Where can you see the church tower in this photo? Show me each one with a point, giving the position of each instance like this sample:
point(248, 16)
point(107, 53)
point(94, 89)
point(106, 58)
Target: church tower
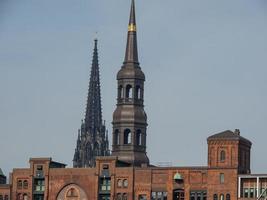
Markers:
point(92, 136)
point(129, 118)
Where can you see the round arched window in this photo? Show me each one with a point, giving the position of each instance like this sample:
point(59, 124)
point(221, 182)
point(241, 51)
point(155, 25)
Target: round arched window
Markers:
point(25, 184)
point(119, 183)
point(127, 136)
point(129, 91)
point(125, 183)
point(25, 197)
point(222, 156)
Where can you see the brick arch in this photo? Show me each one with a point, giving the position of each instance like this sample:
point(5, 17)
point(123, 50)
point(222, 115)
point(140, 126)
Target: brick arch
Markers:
point(79, 193)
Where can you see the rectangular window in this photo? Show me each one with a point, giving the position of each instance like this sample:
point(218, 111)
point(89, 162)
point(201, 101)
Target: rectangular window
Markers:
point(38, 197)
point(204, 197)
point(198, 195)
point(221, 178)
point(192, 195)
point(252, 192)
point(246, 193)
point(39, 167)
point(105, 184)
point(39, 171)
point(105, 166)
point(159, 195)
point(39, 185)
point(263, 192)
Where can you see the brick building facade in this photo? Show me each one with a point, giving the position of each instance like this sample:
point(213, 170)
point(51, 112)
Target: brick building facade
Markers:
point(224, 178)
point(127, 174)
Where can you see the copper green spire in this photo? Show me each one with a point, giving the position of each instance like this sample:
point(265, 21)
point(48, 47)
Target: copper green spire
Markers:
point(131, 55)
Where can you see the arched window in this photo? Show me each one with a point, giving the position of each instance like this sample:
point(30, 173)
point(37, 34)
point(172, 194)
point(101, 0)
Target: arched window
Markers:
point(129, 91)
point(19, 196)
point(127, 136)
point(25, 184)
point(124, 197)
point(25, 197)
point(19, 184)
point(125, 183)
point(120, 94)
point(139, 137)
point(138, 92)
point(116, 137)
point(221, 197)
point(72, 193)
point(215, 197)
point(119, 196)
point(6, 197)
point(228, 197)
point(222, 156)
point(119, 183)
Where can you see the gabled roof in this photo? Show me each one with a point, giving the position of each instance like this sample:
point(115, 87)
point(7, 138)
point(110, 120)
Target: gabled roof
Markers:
point(229, 135)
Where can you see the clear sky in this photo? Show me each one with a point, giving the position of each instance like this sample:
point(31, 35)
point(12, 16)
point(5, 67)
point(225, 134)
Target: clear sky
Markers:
point(205, 64)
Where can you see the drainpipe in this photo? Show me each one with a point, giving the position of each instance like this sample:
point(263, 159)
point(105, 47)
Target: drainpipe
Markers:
point(239, 187)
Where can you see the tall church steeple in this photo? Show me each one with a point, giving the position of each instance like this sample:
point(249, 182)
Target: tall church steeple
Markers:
point(92, 139)
point(93, 115)
point(129, 118)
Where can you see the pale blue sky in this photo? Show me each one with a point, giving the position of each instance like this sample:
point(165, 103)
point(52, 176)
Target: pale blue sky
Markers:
point(205, 63)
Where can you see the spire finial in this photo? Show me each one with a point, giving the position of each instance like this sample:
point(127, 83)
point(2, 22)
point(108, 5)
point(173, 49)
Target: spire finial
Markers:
point(131, 55)
point(132, 21)
point(95, 40)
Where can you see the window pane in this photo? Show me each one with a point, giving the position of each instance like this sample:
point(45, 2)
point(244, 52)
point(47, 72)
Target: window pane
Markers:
point(246, 192)
point(221, 178)
point(252, 192)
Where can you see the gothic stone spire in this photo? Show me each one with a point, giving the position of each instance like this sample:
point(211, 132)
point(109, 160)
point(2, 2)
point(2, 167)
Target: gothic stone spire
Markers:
point(93, 115)
point(92, 140)
point(129, 118)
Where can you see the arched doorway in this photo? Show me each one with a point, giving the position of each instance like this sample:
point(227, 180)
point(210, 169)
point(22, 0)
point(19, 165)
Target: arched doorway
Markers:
point(72, 192)
point(178, 194)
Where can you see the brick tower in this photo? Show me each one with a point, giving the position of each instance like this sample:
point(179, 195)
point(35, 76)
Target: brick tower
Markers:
point(129, 118)
point(229, 150)
point(92, 136)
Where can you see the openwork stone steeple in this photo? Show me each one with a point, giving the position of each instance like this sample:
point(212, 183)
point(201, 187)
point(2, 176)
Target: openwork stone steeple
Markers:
point(129, 118)
point(92, 136)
